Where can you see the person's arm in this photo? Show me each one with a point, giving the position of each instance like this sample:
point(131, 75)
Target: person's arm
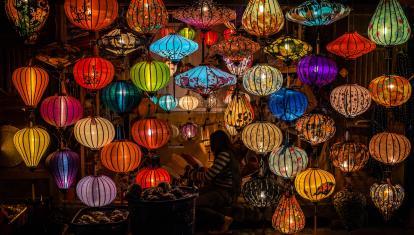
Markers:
point(220, 164)
point(191, 160)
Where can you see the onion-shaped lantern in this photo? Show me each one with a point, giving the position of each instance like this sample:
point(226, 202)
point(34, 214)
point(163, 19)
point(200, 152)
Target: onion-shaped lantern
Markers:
point(188, 102)
point(96, 191)
point(231, 130)
point(263, 18)
point(210, 38)
point(387, 198)
point(63, 165)
point(94, 132)
point(317, 70)
point(350, 207)
point(174, 47)
point(288, 49)
point(262, 80)
point(315, 128)
point(93, 73)
point(121, 156)
point(228, 33)
point(189, 131)
point(151, 133)
point(261, 192)
point(188, 33)
point(236, 48)
point(120, 42)
point(146, 108)
point(315, 184)
point(262, 137)
point(350, 100)
point(288, 217)
point(146, 16)
point(121, 96)
point(239, 112)
point(92, 15)
point(31, 83)
point(389, 148)
point(390, 90)
point(61, 111)
point(288, 161)
point(168, 102)
point(239, 68)
point(150, 76)
point(389, 25)
point(349, 156)
point(350, 46)
point(151, 177)
point(287, 104)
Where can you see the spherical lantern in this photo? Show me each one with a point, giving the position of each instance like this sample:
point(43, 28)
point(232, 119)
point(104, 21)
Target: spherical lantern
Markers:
point(63, 165)
point(188, 102)
point(210, 38)
point(152, 176)
point(146, 108)
point(189, 131)
point(146, 16)
point(350, 100)
point(288, 217)
point(261, 192)
point(315, 128)
point(61, 111)
point(31, 143)
point(174, 47)
point(262, 137)
point(188, 33)
point(287, 104)
point(121, 96)
point(350, 207)
point(151, 133)
point(121, 156)
point(91, 15)
point(166, 31)
point(350, 46)
point(231, 130)
point(389, 148)
point(288, 49)
point(94, 132)
point(315, 184)
point(317, 70)
point(263, 18)
point(389, 25)
point(150, 76)
point(239, 112)
point(262, 80)
point(31, 83)
point(120, 41)
point(390, 90)
point(236, 48)
point(168, 102)
point(238, 68)
point(349, 156)
point(93, 73)
point(228, 33)
point(288, 161)
point(387, 198)
point(96, 191)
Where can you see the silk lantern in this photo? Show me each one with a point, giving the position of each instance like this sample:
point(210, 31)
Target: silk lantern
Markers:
point(93, 73)
point(189, 130)
point(349, 156)
point(261, 192)
point(262, 137)
point(387, 198)
point(350, 100)
point(166, 31)
point(188, 102)
point(211, 102)
point(146, 108)
point(31, 83)
point(188, 33)
point(316, 70)
point(390, 90)
point(121, 156)
point(287, 104)
point(121, 96)
point(236, 48)
point(152, 176)
point(61, 111)
point(351, 46)
point(238, 68)
point(94, 132)
point(120, 41)
point(146, 16)
point(239, 112)
point(315, 184)
point(288, 49)
point(96, 191)
point(262, 80)
point(389, 148)
point(288, 217)
point(151, 133)
point(168, 102)
point(315, 128)
point(174, 47)
point(288, 161)
point(210, 38)
point(63, 165)
point(150, 75)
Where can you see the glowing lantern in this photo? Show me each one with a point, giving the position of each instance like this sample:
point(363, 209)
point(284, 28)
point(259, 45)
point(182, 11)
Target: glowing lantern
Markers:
point(93, 73)
point(166, 31)
point(287, 104)
point(188, 33)
point(211, 102)
point(288, 49)
point(349, 156)
point(231, 130)
point(152, 176)
point(63, 165)
point(239, 112)
point(146, 108)
point(262, 80)
point(288, 161)
point(315, 128)
point(168, 102)
point(31, 83)
point(236, 48)
point(121, 96)
point(189, 131)
point(188, 102)
point(121, 156)
point(317, 70)
point(210, 38)
point(91, 15)
point(390, 90)
point(389, 148)
point(120, 42)
point(261, 192)
point(96, 191)
point(315, 184)
point(61, 111)
point(387, 198)
point(350, 100)
point(228, 33)
point(150, 76)
point(350, 207)
point(262, 137)
point(239, 68)
point(151, 133)
point(175, 132)
point(351, 46)
point(174, 47)
point(94, 132)
point(288, 217)
point(146, 16)
point(263, 18)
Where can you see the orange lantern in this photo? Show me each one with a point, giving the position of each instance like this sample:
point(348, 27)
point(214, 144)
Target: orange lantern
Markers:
point(31, 83)
point(146, 16)
point(351, 46)
point(210, 38)
point(288, 217)
point(166, 31)
point(146, 108)
point(390, 90)
point(152, 176)
point(236, 48)
point(121, 156)
point(151, 133)
point(93, 72)
point(389, 148)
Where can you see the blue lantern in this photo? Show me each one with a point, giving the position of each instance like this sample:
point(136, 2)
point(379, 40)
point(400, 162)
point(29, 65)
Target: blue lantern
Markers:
point(168, 102)
point(287, 104)
point(121, 96)
point(174, 47)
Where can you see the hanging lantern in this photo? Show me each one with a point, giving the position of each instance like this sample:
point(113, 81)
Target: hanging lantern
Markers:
point(188, 33)
point(350, 46)
point(389, 25)
point(231, 130)
point(387, 198)
point(350, 100)
point(315, 128)
point(63, 165)
point(92, 15)
point(288, 161)
point(262, 137)
point(151, 177)
point(317, 70)
point(94, 132)
point(288, 49)
point(211, 102)
point(10, 157)
point(350, 207)
point(230, 92)
point(262, 80)
point(390, 90)
point(315, 184)
point(236, 48)
point(93, 73)
point(175, 132)
point(349, 156)
point(150, 76)
point(189, 131)
point(166, 31)
point(228, 33)
point(389, 148)
point(146, 16)
point(121, 156)
point(121, 96)
point(288, 217)
point(261, 192)
point(31, 143)
point(263, 18)
point(239, 68)
point(28, 17)
point(288, 104)
point(146, 108)
point(120, 42)
point(31, 83)
point(174, 47)
point(168, 102)
point(188, 102)
point(96, 191)
point(210, 38)
point(239, 112)
point(151, 133)
point(61, 111)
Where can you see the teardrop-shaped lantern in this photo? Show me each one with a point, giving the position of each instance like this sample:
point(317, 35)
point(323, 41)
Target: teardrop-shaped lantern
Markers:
point(96, 191)
point(61, 111)
point(288, 49)
point(150, 75)
point(146, 16)
point(93, 73)
point(389, 148)
point(151, 133)
point(315, 184)
point(288, 161)
point(287, 104)
point(317, 70)
point(121, 156)
point(387, 198)
point(262, 137)
point(152, 176)
point(239, 112)
point(168, 102)
point(236, 48)
point(31, 83)
point(188, 102)
point(390, 90)
point(262, 80)
point(121, 96)
point(350, 100)
point(288, 217)
point(350, 46)
point(315, 128)
point(63, 165)
point(94, 132)
point(174, 47)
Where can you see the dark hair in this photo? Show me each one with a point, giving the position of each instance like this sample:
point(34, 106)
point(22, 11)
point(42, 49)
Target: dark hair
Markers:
point(219, 142)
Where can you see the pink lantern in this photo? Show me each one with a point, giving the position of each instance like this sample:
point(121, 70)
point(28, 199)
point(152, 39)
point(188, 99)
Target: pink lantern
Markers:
point(61, 111)
point(96, 191)
point(189, 130)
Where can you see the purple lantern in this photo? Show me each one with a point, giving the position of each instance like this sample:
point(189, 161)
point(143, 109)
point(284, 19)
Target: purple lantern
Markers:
point(96, 191)
point(61, 111)
point(189, 130)
point(63, 165)
point(317, 70)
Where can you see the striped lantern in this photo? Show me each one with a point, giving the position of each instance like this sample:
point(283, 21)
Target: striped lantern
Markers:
point(236, 48)
point(387, 198)
point(262, 80)
point(31, 83)
point(350, 100)
point(239, 112)
point(93, 73)
point(188, 33)
point(96, 191)
point(175, 132)
point(315, 184)
point(94, 132)
point(168, 102)
point(146, 108)
point(315, 128)
point(389, 148)
point(146, 16)
point(61, 111)
point(150, 76)
point(151, 133)
point(349, 156)
point(188, 102)
point(121, 96)
point(350, 46)
point(189, 130)
point(288, 161)
point(261, 192)
point(262, 137)
point(121, 156)
point(288, 217)
point(63, 165)
point(390, 90)
point(287, 104)
point(151, 177)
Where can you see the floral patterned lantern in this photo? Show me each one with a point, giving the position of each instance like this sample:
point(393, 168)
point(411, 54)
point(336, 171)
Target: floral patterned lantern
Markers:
point(96, 191)
point(152, 176)
point(350, 46)
point(238, 68)
point(64, 165)
point(151, 133)
point(350, 100)
point(315, 128)
point(121, 156)
point(61, 111)
point(150, 75)
point(288, 217)
point(211, 102)
point(146, 16)
point(174, 47)
point(93, 73)
point(317, 70)
point(31, 83)
point(349, 156)
point(288, 161)
point(262, 80)
point(239, 112)
point(121, 96)
point(188, 102)
point(287, 104)
point(288, 49)
point(94, 132)
point(236, 48)
point(262, 137)
point(315, 184)
point(120, 42)
point(188, 33)
point(390, 90)
point(189, 130)
point(389, 148)
point(387, 198)
point(168, 102)
point(261, 192)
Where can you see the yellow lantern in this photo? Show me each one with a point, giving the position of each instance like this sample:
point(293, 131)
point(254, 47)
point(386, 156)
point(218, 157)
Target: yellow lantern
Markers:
point(262, 137)
point(315, 184)
point(94, 132)
point(389, 148)
point(390, 90)
point(188, 102)
point(231, 130)
point(239, 112)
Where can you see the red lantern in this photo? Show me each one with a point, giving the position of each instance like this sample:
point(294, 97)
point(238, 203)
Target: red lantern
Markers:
point(228, 33)
point(151, 133)
point(146, 16)
point(166, 31)
point(151, 177)
point(31, 83)
point(146, 108)
point(351, 46)
point(93, 72)
point(61, 111)
point(210, 38)
point(121, 156)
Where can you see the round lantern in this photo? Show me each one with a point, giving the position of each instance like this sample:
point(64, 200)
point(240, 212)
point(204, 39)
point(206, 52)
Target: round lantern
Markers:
point(61, 111)
point(263, 18)
point(288, 217)
point(120, 41)
point(315, 128)
point(168, 102)
point(238, 68)
point(189, 131)
point(31, 83)
point(93, 73)
point(151, 133)
point(288, 49)
point(63, 165)
point(210, 38)
point(315, 184)
point(121, 156)
point(239, 112)
point(152, 176)
point(96, 191)
point(351, 46)
point(288, 105)
point(390, 90)
point(350, 207)
point(389, 25)
point(146, 108)
point(236, 48)
point(349, 156)
point(166, 31)
point(146, 16)
point(262, 80)
point(261, 192)
point(228, 33)
point(188, 33)
point(175, 132)
point(231, 130)
point(94, 132)
point(288, 161)
point(150, 76)
point(317, 70)
point(389, 148)
point(121, 96)
point(262, 137)
point(188, 102)
point(31, 143)
point(91, 15)
point(350, 100)
point(387, 198)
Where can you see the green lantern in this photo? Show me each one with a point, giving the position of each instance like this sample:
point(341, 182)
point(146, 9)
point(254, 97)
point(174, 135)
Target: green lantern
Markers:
point(188, 33)
point(150, 75)
point(389, 25)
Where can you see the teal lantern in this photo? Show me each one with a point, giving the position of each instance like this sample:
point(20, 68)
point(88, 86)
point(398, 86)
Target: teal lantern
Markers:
point(121, 96)
point(174, 47)
point(150, 75)
point(167, 102)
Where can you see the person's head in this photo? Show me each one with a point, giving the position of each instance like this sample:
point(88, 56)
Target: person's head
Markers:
point(219, 141)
